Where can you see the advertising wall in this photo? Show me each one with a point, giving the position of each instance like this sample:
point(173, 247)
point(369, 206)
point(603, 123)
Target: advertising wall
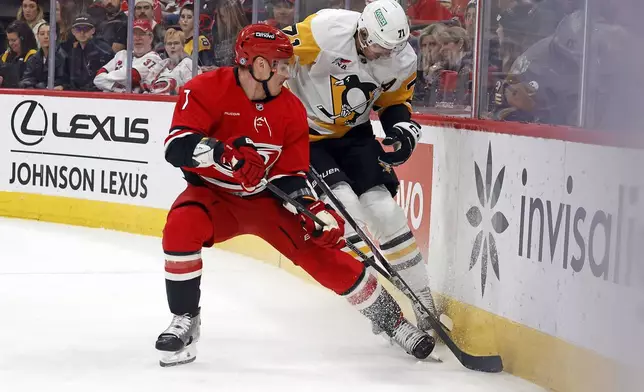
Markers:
point(542, 232)
point(95, 149)
point(532, 242)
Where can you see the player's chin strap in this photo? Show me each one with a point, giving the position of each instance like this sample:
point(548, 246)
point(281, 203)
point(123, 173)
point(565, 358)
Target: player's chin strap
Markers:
point(263, 82)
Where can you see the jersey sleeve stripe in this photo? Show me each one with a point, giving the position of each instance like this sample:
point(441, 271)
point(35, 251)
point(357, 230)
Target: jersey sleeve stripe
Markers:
point(297, 174)
point(176, 136)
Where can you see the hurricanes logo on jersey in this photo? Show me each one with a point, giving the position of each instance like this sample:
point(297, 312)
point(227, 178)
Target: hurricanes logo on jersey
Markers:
point(261, 125)
point(350, 98)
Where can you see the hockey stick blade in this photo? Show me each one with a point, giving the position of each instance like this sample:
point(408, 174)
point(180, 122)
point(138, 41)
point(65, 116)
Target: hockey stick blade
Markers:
point(486, 363)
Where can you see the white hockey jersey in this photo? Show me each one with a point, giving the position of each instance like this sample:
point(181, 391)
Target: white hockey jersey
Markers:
point(338, 87)
point(168, 81)
point(113, 76)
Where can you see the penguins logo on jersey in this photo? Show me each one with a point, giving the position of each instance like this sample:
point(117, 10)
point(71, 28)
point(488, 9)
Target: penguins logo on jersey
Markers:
point(350, 98)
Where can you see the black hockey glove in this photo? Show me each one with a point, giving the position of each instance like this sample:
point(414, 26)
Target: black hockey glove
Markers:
point(403, 136)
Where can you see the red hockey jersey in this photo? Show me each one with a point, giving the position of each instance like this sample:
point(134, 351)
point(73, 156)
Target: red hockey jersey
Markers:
point(215, 105)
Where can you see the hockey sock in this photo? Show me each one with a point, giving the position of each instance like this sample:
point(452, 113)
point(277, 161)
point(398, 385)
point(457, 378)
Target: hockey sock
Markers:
point(185, 231)
point(374, 302)
point(345, 194)
point(360, 244)
point(397, 243)
point(405, 258)
point(183, 281)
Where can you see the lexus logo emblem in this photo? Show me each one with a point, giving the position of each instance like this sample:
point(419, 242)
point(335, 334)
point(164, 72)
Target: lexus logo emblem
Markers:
point(29, 123)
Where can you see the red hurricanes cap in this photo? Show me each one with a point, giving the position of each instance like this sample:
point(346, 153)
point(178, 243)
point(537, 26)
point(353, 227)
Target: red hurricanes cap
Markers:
point(143, 24)
point(257, 40)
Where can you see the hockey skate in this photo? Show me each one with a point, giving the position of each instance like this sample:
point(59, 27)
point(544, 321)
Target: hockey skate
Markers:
point(178, 343)
point(422, 319)
point(416, 342)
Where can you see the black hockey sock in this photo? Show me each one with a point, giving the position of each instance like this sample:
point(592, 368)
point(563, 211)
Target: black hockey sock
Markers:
point(183, 296)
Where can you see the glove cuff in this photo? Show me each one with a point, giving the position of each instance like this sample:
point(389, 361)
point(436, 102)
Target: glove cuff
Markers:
point(242, 141)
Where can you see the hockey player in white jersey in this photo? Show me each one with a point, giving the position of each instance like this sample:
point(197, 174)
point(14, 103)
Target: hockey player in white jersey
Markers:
point(146, 63)
point(346, 64)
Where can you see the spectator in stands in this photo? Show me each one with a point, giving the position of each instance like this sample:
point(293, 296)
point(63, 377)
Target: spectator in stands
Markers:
point(22, 45)
point(430, 51)
point(470, 19)
point(37, 70)
point(428, 11)
point(230, 19)
point(455, 48)
point(544, 82)
point(206, 58)
point(87, 56)
point(170, 11)
point(64, 36)
point(144, 10)
point(526, 22)
point(429, 63)
point(283, 13)
point(112, 24)
point(31, 13)
point(176, 68)
point(456, 75)
point(146, 63)
point(247, 6)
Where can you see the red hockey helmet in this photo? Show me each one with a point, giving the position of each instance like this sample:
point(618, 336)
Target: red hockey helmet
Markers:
point(257, 40)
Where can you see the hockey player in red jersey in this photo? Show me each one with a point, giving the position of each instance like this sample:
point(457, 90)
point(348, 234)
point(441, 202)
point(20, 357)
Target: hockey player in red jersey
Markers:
point(233, 128)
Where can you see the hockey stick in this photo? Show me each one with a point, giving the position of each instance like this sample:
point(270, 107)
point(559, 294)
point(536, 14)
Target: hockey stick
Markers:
point(300, 208)
point(485, 363)
point(333, 117)
point(369, 261)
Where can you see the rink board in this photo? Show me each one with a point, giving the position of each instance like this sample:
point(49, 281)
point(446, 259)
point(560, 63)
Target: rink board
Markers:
point(540, 292)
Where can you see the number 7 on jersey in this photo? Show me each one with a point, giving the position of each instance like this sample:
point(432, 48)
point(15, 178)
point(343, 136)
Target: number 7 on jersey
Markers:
point(187, 92)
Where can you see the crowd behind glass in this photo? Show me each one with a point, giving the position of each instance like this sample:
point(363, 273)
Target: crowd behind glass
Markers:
point(560, 62)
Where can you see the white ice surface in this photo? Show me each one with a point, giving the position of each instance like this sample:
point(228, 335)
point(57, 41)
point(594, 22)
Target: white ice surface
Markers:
point(80, 310)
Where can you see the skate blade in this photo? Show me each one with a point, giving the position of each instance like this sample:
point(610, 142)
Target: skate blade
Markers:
point(181, 357)
point(434, 357)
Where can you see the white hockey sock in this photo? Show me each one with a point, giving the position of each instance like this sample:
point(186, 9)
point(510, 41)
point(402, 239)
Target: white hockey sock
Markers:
point(345, 194)
point(405, 258)
point(397, 243)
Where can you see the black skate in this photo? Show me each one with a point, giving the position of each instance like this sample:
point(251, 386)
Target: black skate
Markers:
point(178, 343)
point(416, 342)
